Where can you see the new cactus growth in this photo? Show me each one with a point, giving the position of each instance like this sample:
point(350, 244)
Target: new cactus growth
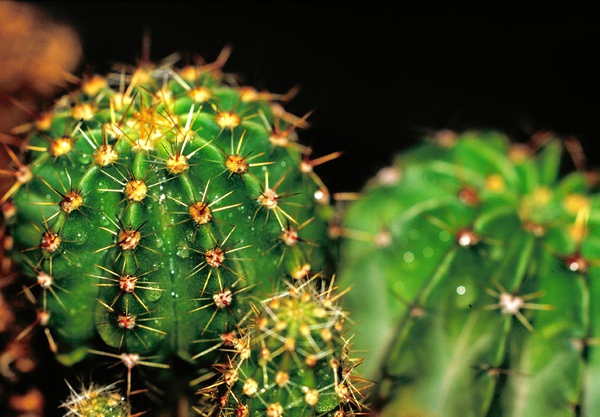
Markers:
point(289, 359)
point(474, 265)
point(105, 401)
point(153, 210)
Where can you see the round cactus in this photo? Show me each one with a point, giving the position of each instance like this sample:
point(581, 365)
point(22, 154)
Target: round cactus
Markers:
point(289, 361)
point(152, 206)
point(473, 265)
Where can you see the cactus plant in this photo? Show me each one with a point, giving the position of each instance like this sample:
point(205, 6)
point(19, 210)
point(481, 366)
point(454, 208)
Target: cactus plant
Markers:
point(473, 261)
point(155, 210)
point(294, 336)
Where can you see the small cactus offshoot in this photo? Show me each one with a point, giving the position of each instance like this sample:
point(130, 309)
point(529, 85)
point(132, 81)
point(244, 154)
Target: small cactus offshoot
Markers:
point(288, 360)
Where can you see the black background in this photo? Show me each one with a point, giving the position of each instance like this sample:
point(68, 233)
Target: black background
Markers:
point(378, 74)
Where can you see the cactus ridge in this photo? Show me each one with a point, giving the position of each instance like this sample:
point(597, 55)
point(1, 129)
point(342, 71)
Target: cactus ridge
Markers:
point(153, 207)
point(478, 256)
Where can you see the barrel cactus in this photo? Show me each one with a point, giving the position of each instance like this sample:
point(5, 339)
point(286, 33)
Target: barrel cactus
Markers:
point(473, 261)
point(153, 213)
point(290, 359)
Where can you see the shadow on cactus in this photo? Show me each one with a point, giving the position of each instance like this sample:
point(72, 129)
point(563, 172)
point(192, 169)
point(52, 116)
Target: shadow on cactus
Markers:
point(477, 257)
point(159, 212)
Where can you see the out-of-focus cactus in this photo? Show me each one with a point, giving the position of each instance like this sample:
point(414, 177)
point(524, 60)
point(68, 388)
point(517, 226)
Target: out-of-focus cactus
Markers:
point(37, 55)
point(473, 261)
point(153, 212)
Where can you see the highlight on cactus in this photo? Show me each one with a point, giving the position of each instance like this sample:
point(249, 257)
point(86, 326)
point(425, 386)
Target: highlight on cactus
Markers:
point(478, 258)
point(157, 215)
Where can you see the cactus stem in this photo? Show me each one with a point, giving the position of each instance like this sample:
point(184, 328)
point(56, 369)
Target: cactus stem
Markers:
point(107, 151)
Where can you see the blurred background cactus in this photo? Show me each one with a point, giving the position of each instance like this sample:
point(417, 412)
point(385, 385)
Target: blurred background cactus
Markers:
point(478, 257)
point(37, 55)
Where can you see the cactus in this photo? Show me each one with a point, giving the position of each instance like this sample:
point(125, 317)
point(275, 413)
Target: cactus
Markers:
point(155, 209)
point(289, 360)
point(473, 265)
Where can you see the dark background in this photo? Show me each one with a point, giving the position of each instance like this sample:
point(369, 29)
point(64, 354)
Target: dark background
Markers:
point(378, 74)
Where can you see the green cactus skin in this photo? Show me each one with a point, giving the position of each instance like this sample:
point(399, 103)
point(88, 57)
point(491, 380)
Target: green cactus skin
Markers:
point(152, 206)
point(473, 266)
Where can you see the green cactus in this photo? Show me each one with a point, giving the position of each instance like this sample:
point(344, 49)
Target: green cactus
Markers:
point(289, 362)
point(473, 265)
point(152, 209)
